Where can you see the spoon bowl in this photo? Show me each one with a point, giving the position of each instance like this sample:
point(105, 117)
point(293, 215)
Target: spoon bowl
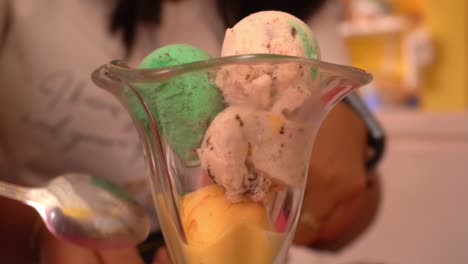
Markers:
point(85, 210)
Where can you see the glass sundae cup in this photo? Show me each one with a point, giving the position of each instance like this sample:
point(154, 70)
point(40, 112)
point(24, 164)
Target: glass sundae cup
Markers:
point(227, 143)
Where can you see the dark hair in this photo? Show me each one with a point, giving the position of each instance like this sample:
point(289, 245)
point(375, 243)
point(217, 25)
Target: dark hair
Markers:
point(128, 14)
point(233, 11)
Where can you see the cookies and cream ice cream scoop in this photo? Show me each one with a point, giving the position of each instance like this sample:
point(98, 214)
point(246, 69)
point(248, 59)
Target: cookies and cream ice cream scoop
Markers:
point(255, 143)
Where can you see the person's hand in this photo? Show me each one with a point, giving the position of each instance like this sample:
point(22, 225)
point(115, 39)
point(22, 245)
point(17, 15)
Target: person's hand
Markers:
point(55, 251)
point(337, 177)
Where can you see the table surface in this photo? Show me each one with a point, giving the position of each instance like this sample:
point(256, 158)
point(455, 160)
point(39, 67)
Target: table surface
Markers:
point(423, 215)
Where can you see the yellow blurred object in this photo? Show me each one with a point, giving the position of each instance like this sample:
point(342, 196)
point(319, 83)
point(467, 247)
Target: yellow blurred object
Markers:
point(380, 54)
point(77, 212)
point(405, 7)
point(446, 82)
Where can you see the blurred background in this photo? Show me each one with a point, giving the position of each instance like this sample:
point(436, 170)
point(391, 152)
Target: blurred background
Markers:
point(417, 51)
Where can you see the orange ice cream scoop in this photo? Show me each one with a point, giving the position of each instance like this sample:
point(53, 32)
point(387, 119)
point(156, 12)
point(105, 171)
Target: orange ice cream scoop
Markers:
point(207, 214)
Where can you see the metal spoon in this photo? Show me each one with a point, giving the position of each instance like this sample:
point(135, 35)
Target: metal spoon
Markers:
point(85, 210)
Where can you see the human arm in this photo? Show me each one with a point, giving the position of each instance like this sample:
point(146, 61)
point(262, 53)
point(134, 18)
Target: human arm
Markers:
point(337, 193)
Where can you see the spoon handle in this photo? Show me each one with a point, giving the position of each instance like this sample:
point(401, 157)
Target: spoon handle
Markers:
point(14, 192)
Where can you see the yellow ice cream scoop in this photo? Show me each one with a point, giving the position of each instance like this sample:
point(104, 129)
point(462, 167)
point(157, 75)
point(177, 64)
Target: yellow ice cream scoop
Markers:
point(219, 231)
point(207, 214)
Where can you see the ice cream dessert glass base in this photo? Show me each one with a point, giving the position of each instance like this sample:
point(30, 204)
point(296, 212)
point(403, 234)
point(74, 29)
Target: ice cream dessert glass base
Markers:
point(239, 203)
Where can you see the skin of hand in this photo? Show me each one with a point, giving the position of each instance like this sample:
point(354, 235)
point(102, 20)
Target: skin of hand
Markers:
point(54, 251)
point(22, 243)
point(336, 179)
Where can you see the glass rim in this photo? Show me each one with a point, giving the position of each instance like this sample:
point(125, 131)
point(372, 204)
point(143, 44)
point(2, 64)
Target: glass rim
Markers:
point(120, 69)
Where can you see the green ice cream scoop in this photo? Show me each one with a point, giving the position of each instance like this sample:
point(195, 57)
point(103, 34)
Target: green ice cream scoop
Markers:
point(183, 106)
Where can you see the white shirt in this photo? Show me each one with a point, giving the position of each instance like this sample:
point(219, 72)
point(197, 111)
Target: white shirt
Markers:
point(53, 119)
